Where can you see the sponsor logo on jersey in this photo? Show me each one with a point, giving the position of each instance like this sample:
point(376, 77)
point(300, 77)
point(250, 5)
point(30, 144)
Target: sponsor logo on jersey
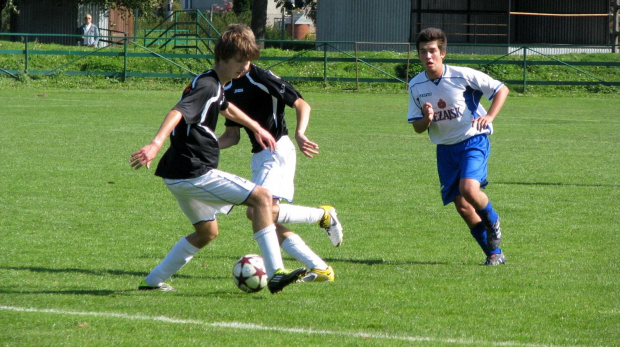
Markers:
point(449, 114)
point(425, 95)
point(282, 88)
point(238, 90)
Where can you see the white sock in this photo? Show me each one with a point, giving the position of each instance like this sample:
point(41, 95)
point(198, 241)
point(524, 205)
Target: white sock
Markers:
point(298, 249)
point(299, 214)
point(180, 254)
point(269, 246)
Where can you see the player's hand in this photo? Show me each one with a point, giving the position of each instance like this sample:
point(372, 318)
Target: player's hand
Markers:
point(264, 138)
point(481, 123)
point(428, 111)
point(307, 147)
point(143, 157)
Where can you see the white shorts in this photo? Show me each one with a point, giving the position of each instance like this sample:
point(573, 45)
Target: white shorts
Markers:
point(276, 171)
point(202, 198)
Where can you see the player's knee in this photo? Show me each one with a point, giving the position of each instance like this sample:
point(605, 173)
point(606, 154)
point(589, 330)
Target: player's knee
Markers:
point(249, 213)
point(469, 191)
point(260, 199)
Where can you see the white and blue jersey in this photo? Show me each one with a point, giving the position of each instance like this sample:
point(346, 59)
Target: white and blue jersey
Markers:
point(456, 101)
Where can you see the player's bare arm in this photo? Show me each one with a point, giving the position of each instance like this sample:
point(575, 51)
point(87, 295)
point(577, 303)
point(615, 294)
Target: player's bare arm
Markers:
point(230, 137)
point(307, 147)
point(422, 124)
point(496, 105)
point(263, 137)
point(146, 154)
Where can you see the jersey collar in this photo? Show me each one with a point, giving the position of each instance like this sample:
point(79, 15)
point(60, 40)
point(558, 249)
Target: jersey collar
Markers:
point(437, 80)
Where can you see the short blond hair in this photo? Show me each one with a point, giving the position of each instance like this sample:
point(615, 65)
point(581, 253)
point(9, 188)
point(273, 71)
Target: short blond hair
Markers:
point(237, 39)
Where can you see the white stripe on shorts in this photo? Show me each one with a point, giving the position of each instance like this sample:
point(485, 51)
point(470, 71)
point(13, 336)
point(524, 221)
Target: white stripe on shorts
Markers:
point(202, 198)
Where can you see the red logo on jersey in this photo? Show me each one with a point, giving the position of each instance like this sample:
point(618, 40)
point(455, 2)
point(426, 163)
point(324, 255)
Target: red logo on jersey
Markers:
point(441, 104)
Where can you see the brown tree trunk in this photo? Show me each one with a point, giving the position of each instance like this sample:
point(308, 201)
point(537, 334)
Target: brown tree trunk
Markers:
point(259, 20)
point(2, 6)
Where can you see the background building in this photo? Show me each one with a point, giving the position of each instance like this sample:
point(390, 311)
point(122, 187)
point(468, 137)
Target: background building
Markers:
point(45, 17)
point(507, 22)
point(273, 13)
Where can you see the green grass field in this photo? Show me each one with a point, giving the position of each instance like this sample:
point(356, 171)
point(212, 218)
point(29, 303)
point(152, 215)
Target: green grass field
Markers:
point(79, 230)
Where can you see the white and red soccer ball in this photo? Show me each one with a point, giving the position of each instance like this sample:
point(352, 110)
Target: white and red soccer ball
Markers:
point(249, 273)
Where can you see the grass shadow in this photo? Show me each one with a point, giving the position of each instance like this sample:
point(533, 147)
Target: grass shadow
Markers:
point(64, 292)
point(561, 184)
point(353, 261)
point(103, 272)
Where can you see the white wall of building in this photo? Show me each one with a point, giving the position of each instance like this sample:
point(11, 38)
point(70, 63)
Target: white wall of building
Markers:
point(205, 5)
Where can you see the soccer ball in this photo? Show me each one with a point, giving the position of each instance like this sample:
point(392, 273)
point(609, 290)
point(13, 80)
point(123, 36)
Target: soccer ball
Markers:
point(249, 273)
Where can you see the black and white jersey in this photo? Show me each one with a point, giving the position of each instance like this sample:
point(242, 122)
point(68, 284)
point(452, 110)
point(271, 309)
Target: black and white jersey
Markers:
point(194, 149)
point(262, 96)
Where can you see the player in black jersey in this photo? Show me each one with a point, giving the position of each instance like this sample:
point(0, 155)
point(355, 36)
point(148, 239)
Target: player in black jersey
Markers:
point(189, 166)
point(264, 96)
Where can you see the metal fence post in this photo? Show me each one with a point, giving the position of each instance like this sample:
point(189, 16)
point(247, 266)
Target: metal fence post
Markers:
point(26, 54)
point(357, 70)
point(125, 59)
point(197, 28)
point(524, 67)
point(324, 64)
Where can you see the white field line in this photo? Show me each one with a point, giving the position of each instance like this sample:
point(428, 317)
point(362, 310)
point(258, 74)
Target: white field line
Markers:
point(246, 326)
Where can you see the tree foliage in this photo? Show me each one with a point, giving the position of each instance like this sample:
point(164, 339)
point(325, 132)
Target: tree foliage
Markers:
point(307, 5)
point(141, 5)
point(9, 7)
point(241, 6)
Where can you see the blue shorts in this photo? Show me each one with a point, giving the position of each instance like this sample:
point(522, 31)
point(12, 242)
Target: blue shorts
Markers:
point(467, 159)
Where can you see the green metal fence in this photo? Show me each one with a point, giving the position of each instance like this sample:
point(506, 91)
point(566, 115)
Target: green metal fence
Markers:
point(128, 52)
point(167, 37)
point(183, 29)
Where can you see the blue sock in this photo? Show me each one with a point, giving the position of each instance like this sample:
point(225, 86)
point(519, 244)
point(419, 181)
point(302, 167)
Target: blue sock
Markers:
point(479, 232)
point(495, 251)
point(488, 215)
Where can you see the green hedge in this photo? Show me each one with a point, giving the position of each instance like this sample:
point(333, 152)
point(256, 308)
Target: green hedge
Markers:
point(308, 68)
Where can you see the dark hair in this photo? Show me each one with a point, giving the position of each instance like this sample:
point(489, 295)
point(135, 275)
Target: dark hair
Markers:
point(432, 34)
point(237, 39)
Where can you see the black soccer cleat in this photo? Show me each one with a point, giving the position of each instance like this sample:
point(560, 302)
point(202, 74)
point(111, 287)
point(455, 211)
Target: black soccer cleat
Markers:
point(283, 278)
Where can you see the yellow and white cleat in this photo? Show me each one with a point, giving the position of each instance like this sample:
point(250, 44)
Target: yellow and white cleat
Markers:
point(332, 226)
point(320, 275)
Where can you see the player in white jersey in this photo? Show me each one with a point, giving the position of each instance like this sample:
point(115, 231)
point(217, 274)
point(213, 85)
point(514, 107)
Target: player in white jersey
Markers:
point(263, 96)
point(445, 101)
